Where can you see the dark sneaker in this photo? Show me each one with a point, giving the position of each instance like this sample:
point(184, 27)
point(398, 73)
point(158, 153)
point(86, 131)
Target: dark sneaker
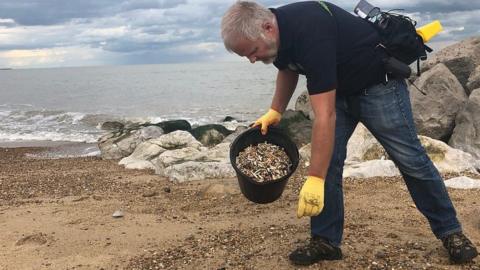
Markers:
point(316, 250)
point(459, 247)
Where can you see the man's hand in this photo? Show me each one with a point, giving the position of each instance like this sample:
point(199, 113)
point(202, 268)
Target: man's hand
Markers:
point(310, 202)
point(272, 117)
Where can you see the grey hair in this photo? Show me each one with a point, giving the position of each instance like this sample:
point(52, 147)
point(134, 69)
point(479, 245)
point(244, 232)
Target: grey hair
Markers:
point(244, 19)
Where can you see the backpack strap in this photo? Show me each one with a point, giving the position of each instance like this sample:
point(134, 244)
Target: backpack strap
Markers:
point(325, 7)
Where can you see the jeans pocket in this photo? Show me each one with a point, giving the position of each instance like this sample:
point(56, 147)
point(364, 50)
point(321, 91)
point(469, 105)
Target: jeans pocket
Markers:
point(381, 89)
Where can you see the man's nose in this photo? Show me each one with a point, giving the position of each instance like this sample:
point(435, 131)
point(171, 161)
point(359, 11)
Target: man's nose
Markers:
point(252, 59)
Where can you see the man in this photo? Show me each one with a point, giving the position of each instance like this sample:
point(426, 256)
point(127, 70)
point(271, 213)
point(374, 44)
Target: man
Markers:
point(337, 53)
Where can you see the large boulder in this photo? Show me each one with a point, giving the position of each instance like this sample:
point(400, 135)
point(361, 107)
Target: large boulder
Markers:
point(297, 126)
point(463, 182)
point(473, 81)
point(362, 146)
point(371, 168)
point(220, 152)
point(112, 126)
point(460, 58)
point(303, 105)
point(122, 143)
point(448, 159)
point(190, 171)
point(435, 112)
point(174, 125)
point(210, 135)
point(176, 140)
point(239, 130)
point(141, 157)
point(466, 135)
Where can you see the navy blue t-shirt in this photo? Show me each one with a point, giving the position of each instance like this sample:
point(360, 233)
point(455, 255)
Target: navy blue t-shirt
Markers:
point(333, 51)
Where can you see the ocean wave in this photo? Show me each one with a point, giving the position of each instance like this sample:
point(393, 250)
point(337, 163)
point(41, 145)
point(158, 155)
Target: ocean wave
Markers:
point(48, 136)
point(54, 125)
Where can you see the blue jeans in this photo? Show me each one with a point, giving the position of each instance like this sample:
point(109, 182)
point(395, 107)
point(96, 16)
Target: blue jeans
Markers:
point(386, 111)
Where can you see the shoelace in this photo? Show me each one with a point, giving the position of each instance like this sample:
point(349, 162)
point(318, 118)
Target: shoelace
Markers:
point(457, 240)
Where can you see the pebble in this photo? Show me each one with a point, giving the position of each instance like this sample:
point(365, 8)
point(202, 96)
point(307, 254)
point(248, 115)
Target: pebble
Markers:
point(118, 214)
point(150, 194)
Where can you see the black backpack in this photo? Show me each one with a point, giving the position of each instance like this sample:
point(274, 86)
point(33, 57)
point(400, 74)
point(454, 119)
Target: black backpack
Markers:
point(399, 38)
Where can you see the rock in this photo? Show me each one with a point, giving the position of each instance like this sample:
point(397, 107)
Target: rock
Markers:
point(210, 134)
point(228, 119)
point(462, 182)
point(371, 168)
point(303, 105)
point(177, 156)
point(112, 125)
point(167, 190)
point(147, 151)
point(220, 189)
point(190, 171)
point(297, 127)
point(118, 214)
point(230, 138)
point(466, 135)
point(122, 143)
point(435, 113)
point(174, 125)
point(220, 152)
point(362, 146)
point(136, 164)
point(176, 140)
point(150, 132)
point(448, 159)
point(305, 154)
point(460, 58)
point(140, 158)
point(150, 193)
point(473, 81)
point(109, 148)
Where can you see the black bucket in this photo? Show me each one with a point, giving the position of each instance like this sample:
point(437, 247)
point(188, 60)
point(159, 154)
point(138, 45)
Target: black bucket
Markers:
point(263, 192)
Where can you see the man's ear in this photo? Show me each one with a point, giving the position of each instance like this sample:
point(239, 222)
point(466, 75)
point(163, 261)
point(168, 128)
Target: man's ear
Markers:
point(268, 26)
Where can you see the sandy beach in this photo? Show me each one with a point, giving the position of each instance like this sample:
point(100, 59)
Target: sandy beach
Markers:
point(57, 214)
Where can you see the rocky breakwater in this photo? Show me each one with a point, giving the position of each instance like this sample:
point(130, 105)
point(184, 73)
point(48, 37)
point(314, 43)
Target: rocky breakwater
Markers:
point(172, 148)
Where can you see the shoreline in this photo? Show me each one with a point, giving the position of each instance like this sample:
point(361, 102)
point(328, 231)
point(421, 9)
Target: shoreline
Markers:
point(54, 149)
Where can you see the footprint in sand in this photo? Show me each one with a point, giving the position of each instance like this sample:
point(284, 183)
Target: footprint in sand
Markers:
point(34, 239)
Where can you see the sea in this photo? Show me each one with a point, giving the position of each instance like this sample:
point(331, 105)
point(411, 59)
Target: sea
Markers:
point(38, 106)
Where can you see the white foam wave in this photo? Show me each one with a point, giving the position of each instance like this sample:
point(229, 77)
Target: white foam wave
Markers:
point(48, 136)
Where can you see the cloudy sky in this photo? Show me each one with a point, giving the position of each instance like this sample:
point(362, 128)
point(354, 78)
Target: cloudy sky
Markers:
point(55, 33)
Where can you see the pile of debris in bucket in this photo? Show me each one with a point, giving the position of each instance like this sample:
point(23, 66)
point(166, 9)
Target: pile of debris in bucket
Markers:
point(264, 162)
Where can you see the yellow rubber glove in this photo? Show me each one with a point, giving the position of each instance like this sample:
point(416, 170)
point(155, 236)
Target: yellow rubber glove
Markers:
point(310, 201)
point(272, 117)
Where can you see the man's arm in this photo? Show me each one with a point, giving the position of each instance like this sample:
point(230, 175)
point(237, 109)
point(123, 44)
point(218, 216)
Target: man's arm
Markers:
point(323, 133)
point(285, 86)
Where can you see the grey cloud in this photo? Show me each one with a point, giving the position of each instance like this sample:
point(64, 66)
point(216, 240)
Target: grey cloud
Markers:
point(49, 12)
point(152, 31)
point(150, 4)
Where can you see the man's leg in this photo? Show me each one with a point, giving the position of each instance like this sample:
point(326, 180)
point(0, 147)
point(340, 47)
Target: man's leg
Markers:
point(329, 224)
point(327, 228)
point(386, 112)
